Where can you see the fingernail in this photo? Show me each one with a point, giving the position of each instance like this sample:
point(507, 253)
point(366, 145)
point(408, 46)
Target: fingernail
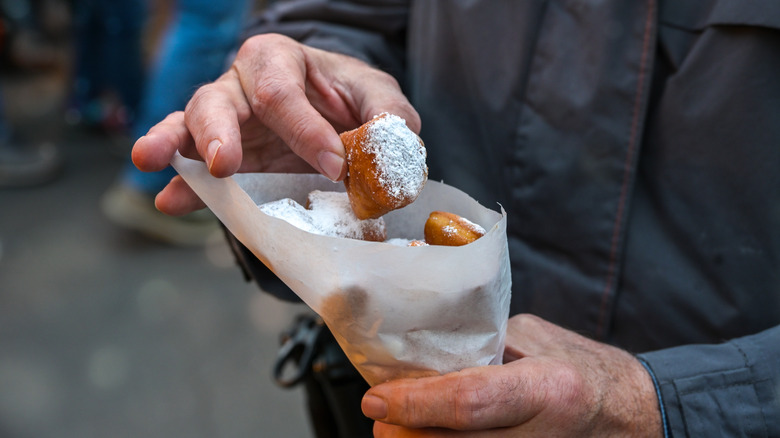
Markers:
point(211, 151)
point(331, 164)
point(374, 407)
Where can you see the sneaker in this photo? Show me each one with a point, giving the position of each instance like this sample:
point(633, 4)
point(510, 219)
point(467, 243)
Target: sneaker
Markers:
point(25, 166)
point(134, 210)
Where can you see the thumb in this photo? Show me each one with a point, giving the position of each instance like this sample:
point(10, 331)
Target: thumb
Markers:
point(473, 399)
point(385, 96)
point(348, 88)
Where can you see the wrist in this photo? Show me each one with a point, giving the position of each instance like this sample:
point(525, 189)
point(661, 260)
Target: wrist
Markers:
point(633, 405)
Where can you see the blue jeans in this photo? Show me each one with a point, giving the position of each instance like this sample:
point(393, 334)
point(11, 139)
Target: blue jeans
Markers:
point(193, 51)
point(108, 51)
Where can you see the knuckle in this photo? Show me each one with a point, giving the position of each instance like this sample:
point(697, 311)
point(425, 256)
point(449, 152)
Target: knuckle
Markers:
point(569, 384)
point(174, 117)
point(199, 114)
point(383, 76)
point(259, 44)
point(250, 45)
point(533, 322)
point(298, 134)
point(200, 98)
point(469, 400)
point(269, 95)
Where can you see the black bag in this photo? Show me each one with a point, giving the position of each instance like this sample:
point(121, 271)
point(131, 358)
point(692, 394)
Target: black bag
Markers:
point(334, 389)
point(309, 355)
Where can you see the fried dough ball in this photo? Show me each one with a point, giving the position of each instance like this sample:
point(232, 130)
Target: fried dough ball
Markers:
point(449, 229)
point(386, 167)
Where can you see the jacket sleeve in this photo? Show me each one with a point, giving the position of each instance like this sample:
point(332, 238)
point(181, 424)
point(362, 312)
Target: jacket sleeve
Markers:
point(373, 31)
point(727, 390)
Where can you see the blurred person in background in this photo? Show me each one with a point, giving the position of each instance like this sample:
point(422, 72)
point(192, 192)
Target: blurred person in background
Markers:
point(29, 34)
point(108, 71)
point(193, 51)
point(22, 164)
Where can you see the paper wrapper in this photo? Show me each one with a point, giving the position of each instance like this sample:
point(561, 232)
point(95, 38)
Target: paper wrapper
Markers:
point(395, 311)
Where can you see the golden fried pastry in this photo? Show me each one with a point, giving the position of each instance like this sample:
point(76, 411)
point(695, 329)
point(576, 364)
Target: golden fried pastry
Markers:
point(449, 229)
point(328, 214)
point(386, 166)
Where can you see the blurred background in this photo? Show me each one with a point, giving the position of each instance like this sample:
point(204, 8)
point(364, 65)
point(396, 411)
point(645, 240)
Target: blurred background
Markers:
point(114, 321)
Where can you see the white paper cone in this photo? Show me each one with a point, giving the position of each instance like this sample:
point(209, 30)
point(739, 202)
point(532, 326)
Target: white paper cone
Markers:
point(395, 311)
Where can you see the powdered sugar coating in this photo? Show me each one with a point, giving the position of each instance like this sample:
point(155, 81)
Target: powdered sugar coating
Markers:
point(452, 230)
point(328, 214)
point(291, 212)
point(466, 224)
point(449, 230)
point(399, 156)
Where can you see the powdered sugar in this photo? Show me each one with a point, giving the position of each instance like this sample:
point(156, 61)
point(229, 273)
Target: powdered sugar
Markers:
point(292, 213)
point(451, 229)
point(400, 156)
point(328, 214)
point(474, 227)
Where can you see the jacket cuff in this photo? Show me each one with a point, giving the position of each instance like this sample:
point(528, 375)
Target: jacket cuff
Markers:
point(725, 390)
point(664, 420)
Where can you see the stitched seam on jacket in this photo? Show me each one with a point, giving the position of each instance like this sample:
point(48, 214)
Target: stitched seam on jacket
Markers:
point(730, 385)
point(632, 146)
point(742, 352)
point(678, 394)
point(764, 428)
point(768, 381)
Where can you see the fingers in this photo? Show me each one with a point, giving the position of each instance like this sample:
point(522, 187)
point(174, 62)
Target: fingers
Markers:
point(351, 92)
point(473, 399)
point(276, 85)
point(213, 116)
point(153, 152)
point(384, 96)
point(562, 384)
point(384, 430)
point(529, 335)
point(276, 90)
point(177, 198)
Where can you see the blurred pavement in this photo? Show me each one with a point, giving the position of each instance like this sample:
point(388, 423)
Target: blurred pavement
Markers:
point(106, 334)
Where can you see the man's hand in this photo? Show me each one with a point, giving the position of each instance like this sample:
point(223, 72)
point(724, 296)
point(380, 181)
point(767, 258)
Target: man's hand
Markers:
point(278, 109)
point(554, 383)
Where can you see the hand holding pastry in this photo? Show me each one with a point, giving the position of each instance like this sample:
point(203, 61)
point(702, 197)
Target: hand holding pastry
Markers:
point(277, 109)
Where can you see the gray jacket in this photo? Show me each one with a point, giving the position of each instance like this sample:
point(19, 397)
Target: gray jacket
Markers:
point(636, 148)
